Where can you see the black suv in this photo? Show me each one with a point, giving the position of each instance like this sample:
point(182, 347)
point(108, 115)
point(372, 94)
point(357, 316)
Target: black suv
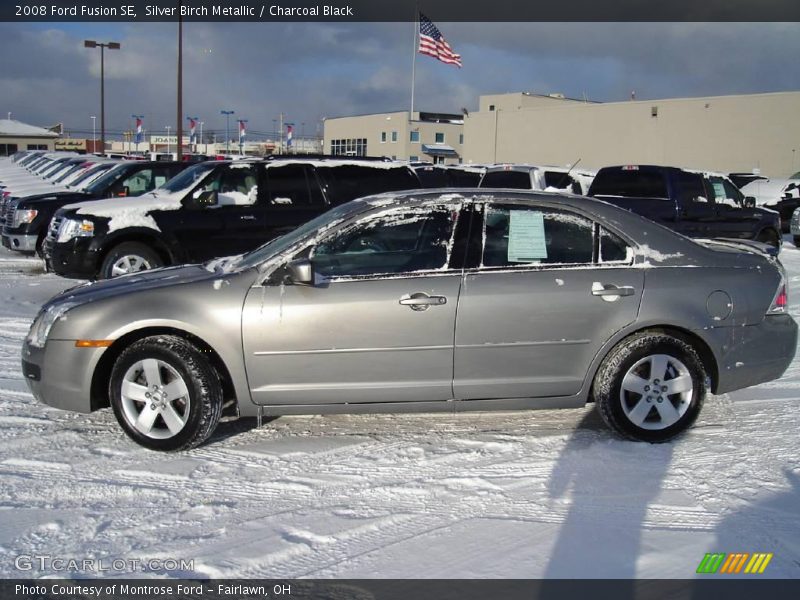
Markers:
point(211, 209)
point(27, 218)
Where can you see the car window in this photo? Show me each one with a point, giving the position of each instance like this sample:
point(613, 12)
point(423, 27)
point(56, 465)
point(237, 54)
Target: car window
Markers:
point(522, 235)
point(238, 185)
point(287, 185)
point(724, 191)
point(400, 241)
point(515, 180)
point(343, 183)
point(689, 187)
point(138, 183)
point(613, 249)
point(630, 183)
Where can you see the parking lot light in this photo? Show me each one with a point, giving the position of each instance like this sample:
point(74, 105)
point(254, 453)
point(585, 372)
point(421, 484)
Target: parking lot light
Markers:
point(102, 46)
point(227, 114)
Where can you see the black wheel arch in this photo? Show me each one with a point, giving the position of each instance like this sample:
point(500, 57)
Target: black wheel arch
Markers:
point(142, 235)
point(102, 372)
point(698, 343)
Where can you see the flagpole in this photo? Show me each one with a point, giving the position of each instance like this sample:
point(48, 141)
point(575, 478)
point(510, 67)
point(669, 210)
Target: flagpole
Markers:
point(414, 61)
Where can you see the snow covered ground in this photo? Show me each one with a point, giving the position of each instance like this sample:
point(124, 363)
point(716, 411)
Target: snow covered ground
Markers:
point(518, 494)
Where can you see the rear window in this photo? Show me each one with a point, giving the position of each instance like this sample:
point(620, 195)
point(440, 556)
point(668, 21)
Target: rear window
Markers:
point(515, 180)
point(347, 182)
point(630, 184)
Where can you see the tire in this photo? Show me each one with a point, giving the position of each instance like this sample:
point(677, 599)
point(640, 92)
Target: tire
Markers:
point(129, 257)
point(769, 236)
point(628, 367)
point(184, 408)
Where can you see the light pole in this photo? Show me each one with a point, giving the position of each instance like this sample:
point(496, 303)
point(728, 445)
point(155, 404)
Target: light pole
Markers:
point(94, 133)
point(169, 148)
point(205, 146)
point(227, 114)
point(110, 46)
point(303, 135)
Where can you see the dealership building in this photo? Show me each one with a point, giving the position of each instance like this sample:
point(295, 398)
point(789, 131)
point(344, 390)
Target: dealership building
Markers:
point(739, 133)
point(431, 137)
point(16, 135)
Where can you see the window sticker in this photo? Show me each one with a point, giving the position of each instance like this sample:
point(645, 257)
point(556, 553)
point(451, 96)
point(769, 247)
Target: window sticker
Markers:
point(719, 189)
point(526, 241)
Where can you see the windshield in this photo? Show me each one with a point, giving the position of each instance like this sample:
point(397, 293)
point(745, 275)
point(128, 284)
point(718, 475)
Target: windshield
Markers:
point(91, 172)
point(279, 244)
point(102, 183)
point(188, 177)
point(68, 172)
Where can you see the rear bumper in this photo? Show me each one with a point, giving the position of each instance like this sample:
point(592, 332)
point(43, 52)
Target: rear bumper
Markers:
point(756, 353)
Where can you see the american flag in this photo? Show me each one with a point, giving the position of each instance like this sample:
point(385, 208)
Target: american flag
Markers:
point(432, 43)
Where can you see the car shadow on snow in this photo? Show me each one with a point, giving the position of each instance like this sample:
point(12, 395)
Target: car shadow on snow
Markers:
point(604, 485)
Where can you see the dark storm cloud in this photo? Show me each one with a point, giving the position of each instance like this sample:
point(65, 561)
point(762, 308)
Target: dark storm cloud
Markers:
point(309, 71)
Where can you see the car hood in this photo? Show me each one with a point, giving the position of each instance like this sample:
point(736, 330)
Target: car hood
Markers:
point(136, 282)
point(111, 207)
point(35, 199)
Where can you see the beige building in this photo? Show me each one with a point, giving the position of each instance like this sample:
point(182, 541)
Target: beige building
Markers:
point(16, 136)
point(432, 137)
point(721, 133)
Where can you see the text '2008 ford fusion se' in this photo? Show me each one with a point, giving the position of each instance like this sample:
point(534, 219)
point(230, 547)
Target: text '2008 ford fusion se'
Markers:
point(425, 301)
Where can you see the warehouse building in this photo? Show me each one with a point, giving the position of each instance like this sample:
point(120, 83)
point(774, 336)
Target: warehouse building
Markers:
point(719, 133)
point(16, 136)
point(431, 137)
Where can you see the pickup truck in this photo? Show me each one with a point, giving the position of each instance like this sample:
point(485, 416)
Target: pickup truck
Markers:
point(27, 218)
point(694, 203)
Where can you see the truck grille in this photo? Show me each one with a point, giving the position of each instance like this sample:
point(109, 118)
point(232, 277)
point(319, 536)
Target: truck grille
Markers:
point(52, 230)
point(9, 206)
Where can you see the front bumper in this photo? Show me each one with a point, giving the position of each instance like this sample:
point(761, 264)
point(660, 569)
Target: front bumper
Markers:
point(60, 375)
point(756, 353)
point(21, 243)
point(77, 258)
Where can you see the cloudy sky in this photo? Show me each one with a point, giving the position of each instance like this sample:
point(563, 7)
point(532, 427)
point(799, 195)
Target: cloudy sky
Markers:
point(312, 70)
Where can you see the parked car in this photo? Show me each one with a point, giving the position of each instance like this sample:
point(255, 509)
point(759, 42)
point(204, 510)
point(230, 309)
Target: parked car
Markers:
point(27, 218)
point(425, 301)
point(212, 209)
point(694, 203)
point(787, 204)
point(442, 176)
point(528, 177)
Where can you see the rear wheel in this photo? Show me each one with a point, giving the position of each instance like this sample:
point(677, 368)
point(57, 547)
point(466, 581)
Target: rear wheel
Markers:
point(165, 393)
point(129, 257)
point(650, 387)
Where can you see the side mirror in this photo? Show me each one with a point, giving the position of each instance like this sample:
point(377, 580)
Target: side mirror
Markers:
point(749, 202)
point(300, 272)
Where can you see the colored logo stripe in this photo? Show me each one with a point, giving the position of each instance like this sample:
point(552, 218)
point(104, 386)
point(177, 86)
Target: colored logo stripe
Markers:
point(733, 563)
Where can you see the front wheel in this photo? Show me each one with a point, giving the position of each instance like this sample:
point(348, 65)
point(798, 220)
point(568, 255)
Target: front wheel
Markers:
point(129, 257)
point(650, 387)
point(165, 393)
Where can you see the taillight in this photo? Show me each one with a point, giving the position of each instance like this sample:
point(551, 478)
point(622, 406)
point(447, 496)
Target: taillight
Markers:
point(780, 302)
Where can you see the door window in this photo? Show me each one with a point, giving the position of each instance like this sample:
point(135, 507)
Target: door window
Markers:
point(725, 193)
point(239, 185)
point(401, 241)
point(287, 185)
point(522, 235)
point(137, 184)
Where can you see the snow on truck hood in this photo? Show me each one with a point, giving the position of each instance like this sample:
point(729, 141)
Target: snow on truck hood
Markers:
point(129, 212)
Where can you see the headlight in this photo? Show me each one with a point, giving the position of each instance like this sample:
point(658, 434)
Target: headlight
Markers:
point(24, 216)
point(44, 322)
point(71, 228)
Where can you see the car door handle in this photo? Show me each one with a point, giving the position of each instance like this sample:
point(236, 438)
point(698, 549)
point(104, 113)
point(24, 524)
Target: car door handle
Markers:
point(421, 301)
point(599, 289)
point(248, 217)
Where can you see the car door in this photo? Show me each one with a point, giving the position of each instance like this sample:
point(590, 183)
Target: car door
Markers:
point(549, 289)
point(292, 196)
point(234, 224)
point(733, 220)
point(377, 325)
point(696, 209)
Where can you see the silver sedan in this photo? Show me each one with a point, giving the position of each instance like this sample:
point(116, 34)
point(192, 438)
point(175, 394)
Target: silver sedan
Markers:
point(425, 301)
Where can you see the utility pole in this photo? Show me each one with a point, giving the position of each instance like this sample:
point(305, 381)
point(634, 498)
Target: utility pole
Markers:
point(180, 83)
point(110, 46)
point(227, 114)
